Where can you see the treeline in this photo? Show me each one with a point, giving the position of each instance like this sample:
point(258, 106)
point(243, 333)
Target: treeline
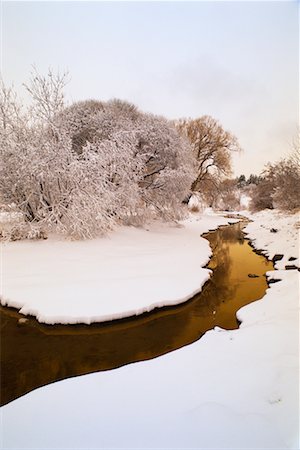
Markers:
point(242, 181)
point(277, 187)
point(84, 168)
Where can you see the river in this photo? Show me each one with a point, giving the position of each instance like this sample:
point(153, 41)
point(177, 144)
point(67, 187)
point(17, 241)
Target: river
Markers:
point(33, 355)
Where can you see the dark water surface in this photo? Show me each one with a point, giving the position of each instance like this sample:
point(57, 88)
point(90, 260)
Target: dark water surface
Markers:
point(33, 355)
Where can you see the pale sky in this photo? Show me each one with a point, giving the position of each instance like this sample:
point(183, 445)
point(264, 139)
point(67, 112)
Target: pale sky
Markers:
point(236, 61)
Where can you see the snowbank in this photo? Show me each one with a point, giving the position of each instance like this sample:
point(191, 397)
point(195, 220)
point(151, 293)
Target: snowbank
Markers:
point(130, 272)
point(231, 389)
point(276, 234)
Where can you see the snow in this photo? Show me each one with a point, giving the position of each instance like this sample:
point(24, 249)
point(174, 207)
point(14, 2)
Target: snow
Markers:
point(130, 272)
point(245, 201)
point(233, 389)
point(7, 216)
point(196, 203)
point(277, 234)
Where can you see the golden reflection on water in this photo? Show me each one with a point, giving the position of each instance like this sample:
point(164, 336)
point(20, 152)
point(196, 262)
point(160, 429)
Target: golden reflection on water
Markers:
point(33, 355)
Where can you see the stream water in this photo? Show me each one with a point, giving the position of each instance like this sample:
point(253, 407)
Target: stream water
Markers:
point(33, 355)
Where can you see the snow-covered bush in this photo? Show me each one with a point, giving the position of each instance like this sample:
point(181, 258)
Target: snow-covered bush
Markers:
point(196, 203)
point(261, 196)
point(83, 169)
point(286, 193)
point(279, 186)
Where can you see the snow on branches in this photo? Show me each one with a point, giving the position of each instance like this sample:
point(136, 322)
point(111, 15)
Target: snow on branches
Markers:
point(82, 170)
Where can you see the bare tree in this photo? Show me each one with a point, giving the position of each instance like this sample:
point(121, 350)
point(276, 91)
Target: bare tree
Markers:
point(212, 147)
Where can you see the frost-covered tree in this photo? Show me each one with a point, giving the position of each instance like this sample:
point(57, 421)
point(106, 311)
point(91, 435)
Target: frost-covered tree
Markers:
point(83, 169)
point(47, 94)
point(279, 185)
point(229, 195)
point(286, 193)
point(169, 166)
point(15, 148)
point(161, 159)
point(261, 195)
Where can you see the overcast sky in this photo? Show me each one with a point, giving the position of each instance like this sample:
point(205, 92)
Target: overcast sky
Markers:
point(236, 61)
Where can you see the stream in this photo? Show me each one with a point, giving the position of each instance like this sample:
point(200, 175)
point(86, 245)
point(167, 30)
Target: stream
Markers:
point(33, 354)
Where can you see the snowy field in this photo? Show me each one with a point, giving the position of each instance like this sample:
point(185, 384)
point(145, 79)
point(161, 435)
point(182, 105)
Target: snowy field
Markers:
point(130, 272)
point(231, 389)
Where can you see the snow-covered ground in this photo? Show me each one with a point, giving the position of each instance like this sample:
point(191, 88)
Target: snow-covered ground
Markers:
point(130, 272)
point(231, 389)
point(276, 234)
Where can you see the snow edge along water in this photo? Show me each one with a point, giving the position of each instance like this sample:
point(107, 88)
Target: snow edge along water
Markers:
point(230, 389)
point(68, 283)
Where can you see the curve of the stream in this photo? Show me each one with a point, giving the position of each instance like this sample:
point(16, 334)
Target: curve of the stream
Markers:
point(33, 355)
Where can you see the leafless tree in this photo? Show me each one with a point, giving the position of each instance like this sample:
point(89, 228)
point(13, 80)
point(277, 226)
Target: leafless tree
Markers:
point(212, 147)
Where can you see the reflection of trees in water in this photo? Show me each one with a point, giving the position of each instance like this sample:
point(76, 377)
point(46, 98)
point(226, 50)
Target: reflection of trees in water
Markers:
point(33, 355)
point(231, 234)
point(220, 287)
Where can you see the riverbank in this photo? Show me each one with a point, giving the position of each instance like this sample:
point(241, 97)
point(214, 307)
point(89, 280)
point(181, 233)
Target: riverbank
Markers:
point(34, 355)
point(277, 235)
point(132, 271)
point(233, 389)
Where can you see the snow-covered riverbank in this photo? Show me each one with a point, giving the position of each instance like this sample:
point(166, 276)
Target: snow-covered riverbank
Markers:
point(130, 272)
point(231, 389)
point(276, 234)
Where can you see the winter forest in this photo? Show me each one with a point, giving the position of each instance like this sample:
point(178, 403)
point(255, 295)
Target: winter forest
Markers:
point(84, 168)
